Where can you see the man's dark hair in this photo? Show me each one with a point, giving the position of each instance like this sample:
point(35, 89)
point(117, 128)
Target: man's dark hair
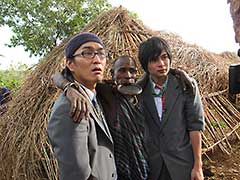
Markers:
point(67, 74)
point(151, 49)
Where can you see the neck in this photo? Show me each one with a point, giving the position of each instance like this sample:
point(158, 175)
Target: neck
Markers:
point(90, 86)
point(159, 80)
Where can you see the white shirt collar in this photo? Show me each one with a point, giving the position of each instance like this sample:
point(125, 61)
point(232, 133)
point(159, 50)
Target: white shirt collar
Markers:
point(91, 94)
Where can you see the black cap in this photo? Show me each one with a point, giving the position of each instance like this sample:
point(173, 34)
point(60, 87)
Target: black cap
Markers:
point(79, 40)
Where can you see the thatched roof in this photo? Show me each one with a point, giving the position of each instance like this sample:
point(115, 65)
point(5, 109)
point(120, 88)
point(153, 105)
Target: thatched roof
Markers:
point(208, 68)
point(235, 13)
point(25, 151)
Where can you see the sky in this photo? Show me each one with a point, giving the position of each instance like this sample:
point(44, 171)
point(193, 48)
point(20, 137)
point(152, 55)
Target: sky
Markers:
point(206, 23)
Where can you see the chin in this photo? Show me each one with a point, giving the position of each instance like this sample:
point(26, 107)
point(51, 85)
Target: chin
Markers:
point(98, 79)
point(99, 76)
point(163, 75)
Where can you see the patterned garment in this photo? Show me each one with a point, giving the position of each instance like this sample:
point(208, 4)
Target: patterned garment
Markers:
point(127, 132)
point(4, 95)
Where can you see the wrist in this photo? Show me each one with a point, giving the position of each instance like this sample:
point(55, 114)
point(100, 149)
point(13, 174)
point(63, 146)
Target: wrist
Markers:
point(66, 86)
point(198, 164)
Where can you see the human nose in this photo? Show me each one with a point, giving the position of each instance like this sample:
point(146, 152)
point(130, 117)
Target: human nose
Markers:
point(129, 77)
point(97, 59)
point(127, 74)
point(161, 62)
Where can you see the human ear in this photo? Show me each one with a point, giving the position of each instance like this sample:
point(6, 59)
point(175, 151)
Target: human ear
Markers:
point(70, 64)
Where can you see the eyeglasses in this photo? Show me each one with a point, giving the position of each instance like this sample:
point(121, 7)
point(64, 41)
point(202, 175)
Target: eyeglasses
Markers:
point(91, 54)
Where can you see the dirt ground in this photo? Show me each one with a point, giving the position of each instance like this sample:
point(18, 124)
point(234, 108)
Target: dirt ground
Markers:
point(223, 166)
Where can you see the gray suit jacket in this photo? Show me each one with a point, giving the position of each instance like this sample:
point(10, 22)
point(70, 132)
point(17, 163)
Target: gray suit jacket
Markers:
point(83, 150)
point(168, 140)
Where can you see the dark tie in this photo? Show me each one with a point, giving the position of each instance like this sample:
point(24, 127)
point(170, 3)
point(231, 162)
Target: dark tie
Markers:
point(99, 113)
point(97, 109)
point(95, 104)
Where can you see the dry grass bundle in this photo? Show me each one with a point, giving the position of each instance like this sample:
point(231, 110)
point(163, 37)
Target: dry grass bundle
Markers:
point(209, 69)
point(24, 148)
point(25, 151)
point(230, 57)
point(121, 34)
point(222, 120)
point(211, 72)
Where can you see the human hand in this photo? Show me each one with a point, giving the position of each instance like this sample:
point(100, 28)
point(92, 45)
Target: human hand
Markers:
point(79, 106)
point(59, 80)
point(197, 174)
point(185, 80)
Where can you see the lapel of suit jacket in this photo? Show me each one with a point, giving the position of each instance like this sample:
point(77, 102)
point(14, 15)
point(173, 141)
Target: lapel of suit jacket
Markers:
point(148, 99)
point(172, 94)
point(103, 125)
point(94, 114)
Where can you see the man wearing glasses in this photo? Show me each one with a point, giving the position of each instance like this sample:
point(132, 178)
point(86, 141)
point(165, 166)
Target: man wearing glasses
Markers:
point(84, 150)
point(125, 121)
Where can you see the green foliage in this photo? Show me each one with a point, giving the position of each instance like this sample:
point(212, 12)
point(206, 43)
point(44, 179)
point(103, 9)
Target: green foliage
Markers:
point(133, 15)
point(221, 124)
point(39, 25)
point(13, 77)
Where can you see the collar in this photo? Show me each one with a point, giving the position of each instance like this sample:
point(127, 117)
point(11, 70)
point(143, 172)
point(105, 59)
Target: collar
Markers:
point(160, 90)
point(91, 95)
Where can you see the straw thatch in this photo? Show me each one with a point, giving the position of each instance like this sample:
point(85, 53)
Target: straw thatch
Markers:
point(235, 13)
point(25, 151)
point(208, 68)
